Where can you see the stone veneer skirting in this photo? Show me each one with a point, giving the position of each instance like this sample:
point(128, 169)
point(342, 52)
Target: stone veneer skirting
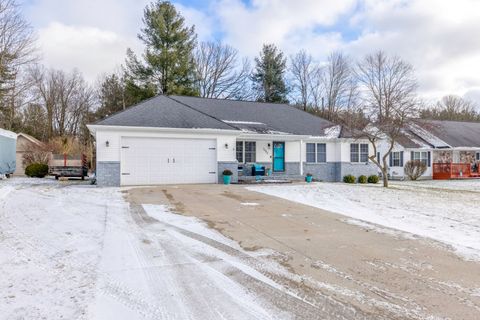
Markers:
point(108, 173)
point(230, 165)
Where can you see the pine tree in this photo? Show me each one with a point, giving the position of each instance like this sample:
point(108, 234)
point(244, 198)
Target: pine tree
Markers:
point(269, 75)
point(168, 64)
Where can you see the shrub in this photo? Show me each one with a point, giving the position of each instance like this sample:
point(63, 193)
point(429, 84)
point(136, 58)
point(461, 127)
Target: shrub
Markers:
point(349, 178)
point(362, 179)
point(373, 178)
point(414, 169)
point(37, 170)
point(227, 172)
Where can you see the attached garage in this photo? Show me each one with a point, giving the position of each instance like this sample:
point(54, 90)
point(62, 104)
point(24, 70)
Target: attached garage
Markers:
point(150, 161)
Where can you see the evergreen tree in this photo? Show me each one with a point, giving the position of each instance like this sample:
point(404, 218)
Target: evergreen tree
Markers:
point(168, 64)
point(269, 75)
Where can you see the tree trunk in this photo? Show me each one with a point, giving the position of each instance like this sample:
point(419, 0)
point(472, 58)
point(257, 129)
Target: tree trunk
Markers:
point(385, 178)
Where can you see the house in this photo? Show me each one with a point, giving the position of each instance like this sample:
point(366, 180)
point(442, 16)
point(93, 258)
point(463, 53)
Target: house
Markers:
point(25, 144)
point(177, 139)
point(450, 149)
point(8, 141)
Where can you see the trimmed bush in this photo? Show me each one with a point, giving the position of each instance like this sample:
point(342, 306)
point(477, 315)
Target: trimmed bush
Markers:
point(227, 172)
point(36, 170)
point(362, 179)
point(373, 179)
point(414, 169)
point(349, 178)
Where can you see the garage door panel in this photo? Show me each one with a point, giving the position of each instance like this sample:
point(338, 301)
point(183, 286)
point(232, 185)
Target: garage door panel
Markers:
point(146, 161)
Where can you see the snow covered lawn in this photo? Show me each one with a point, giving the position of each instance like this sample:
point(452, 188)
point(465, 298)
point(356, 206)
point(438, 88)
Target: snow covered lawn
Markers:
point(446, 211)
point(75, 251)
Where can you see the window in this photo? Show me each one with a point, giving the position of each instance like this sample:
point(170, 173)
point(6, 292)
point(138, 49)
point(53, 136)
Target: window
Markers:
point(239, 150)
point(363, 152)
point(478, 156)
point(246, 151)
point(396, 159)
point(250, 155)
point(354, 157)
point(311, 152)
point(316, 152)
point(321, 152)
point(422, 156)
point(359, 152)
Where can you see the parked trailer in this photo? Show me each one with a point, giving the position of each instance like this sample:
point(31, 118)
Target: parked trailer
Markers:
point(8, 148)
point(68, 166)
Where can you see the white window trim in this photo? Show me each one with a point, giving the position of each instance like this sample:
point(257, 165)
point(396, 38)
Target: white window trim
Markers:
point(315, 152)
point(244, 151)
point(398, 154)
point(418, 155)
point(359, 152)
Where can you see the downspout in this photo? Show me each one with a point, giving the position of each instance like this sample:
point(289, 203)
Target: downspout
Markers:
point(301, 160)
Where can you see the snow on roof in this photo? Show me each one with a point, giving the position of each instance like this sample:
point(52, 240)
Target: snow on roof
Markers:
point(428, 136)
point(8, 134)
point(332, 132)
point(243, 122)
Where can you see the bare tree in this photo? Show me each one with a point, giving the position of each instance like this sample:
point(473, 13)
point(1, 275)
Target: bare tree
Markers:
point(305, 79)
point(453, 108)
point(340, 86)
point(389, 89)
point(66, 99)
point(219, 73)
point(16, 51)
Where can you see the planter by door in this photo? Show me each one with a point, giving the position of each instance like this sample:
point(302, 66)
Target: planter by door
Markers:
point(227, 179)
point(279, 156)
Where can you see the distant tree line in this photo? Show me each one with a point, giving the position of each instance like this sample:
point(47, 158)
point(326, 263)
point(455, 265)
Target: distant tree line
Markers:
point(49, 103)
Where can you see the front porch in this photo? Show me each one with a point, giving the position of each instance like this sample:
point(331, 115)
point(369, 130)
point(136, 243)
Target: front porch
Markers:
point(264, 157)
point(447, 171)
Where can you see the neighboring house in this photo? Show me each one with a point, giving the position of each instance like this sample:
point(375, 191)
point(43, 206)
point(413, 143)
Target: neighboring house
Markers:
point(25, 144)
point(176, 139)
point(450, 149)
point(8, 141)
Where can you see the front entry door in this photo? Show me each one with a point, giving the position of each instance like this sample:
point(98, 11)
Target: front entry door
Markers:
point(278, 156)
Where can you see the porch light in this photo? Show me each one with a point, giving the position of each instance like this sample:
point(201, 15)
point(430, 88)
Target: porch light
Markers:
point(226, 145)
point(107, 143)
point(268, 145)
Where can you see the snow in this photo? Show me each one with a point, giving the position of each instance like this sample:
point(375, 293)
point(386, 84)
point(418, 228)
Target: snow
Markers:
point(332, 132)
point(428, 136)
point(8, 134)
point(243, 122)
point(445, 211)
point(75, 251)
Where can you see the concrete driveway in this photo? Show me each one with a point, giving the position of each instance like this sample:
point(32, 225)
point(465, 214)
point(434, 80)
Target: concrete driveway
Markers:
point(336, 269)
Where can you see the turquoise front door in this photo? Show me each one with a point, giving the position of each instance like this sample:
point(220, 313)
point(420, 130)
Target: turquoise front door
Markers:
point(279, 156)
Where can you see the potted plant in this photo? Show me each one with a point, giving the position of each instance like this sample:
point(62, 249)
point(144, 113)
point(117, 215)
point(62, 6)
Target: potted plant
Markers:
point(227, 176)
point(308, 177)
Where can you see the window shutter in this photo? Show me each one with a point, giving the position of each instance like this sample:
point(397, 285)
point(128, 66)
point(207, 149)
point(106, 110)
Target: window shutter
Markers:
point(401, 158)
point(390, 160)
point(429, 158)
point(411, 156)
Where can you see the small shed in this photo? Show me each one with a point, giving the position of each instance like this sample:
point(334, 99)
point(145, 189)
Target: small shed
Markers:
point(25, 144)
point(8, 141)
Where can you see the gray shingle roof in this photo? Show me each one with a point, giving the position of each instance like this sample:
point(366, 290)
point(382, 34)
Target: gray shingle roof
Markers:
point(455, 133)
point(193, 112)
point(163, 112)
point(278, 117)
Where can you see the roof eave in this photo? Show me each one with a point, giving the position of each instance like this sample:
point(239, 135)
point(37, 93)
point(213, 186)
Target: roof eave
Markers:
point(94, 128)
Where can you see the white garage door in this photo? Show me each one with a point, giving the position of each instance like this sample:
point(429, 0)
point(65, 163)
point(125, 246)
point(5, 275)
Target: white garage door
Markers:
point(148, 161)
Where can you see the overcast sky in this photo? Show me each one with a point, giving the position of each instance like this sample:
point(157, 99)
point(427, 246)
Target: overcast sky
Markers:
point(439, 37)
